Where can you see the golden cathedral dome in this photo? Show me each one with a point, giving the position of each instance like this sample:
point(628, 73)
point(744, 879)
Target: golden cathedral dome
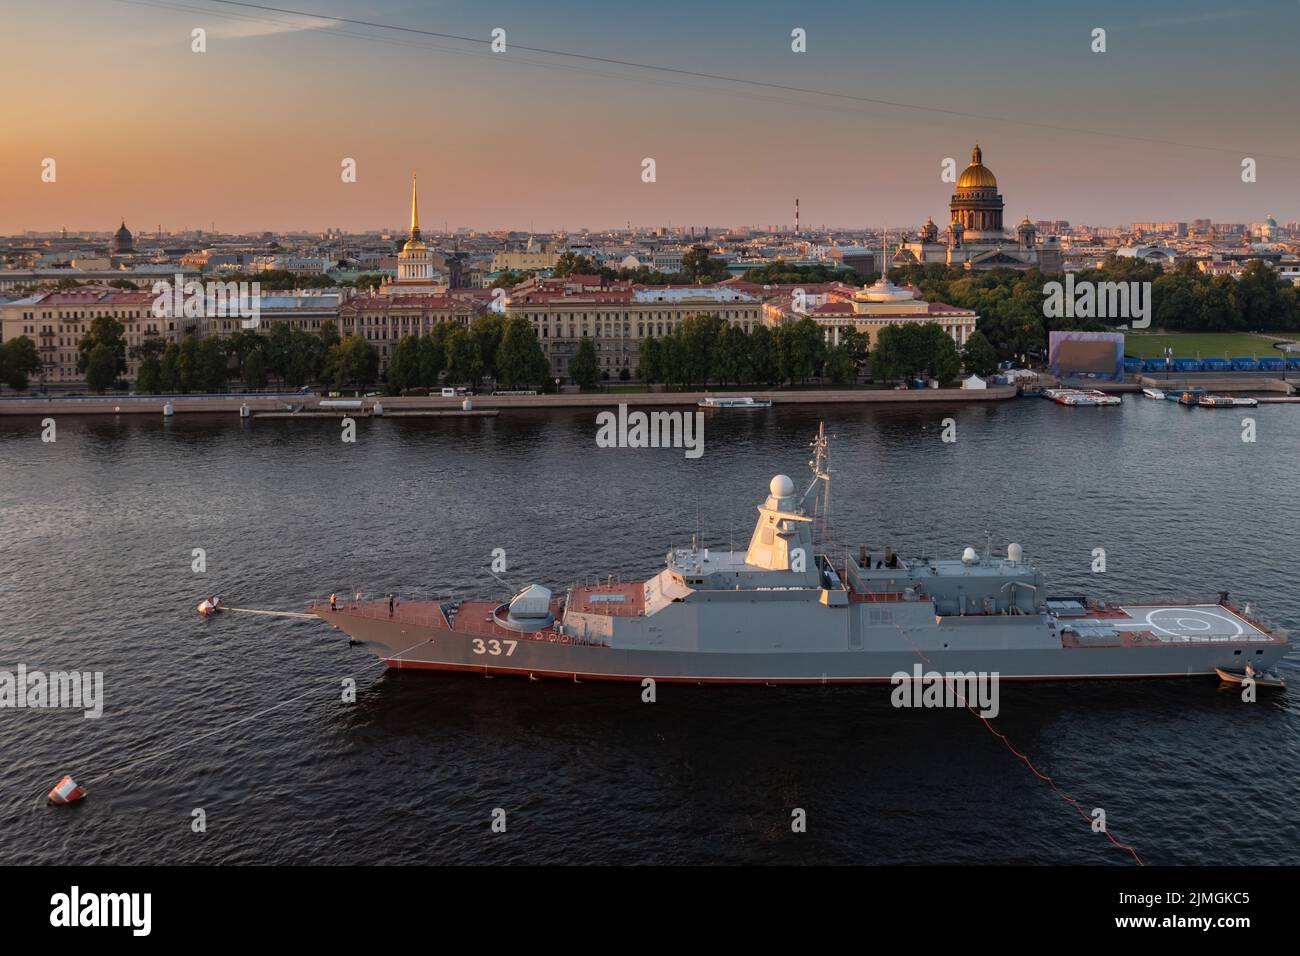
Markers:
point(977, 175)
point(414, 245)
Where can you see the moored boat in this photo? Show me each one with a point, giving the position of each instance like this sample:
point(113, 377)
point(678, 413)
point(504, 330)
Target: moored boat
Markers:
point(1226, 401)
point(1153, 393)
point(713, 401)
point(1261, 679)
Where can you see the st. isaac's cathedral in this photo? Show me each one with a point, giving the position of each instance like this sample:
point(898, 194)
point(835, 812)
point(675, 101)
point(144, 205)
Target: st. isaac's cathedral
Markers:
point(975, 238)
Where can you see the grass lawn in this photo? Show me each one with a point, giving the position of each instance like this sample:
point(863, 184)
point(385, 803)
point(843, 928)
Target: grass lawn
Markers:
point(1201, 345)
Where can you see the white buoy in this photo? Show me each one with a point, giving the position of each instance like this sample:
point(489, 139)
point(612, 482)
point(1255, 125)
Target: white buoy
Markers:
point(243, 410)
point(378, 409)
point(467, 405)
point(169, 410)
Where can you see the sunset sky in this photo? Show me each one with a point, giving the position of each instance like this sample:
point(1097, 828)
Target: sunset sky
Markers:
point(250, 135)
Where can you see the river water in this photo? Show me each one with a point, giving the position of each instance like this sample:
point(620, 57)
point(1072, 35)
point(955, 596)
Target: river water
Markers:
point(242, 717)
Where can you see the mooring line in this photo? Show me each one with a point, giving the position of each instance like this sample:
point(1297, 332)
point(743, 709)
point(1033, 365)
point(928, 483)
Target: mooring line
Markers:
point(1067, 798)
point(181, 746)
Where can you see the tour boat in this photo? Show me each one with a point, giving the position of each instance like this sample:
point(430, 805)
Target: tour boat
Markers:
point(1226, 401)
point(746, 402)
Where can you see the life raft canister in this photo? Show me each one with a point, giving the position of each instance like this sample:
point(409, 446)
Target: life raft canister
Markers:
point(66, 791)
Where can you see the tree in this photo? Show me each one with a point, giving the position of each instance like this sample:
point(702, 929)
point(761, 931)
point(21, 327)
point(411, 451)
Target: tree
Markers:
point(733, 355)
point(800, 350)
point(432, 356)
point(762, 355)
point(18, 360)
point(902, 351)
point(353, 361)
point(404, 365)
point(169, 371)
point(570, 263)
point(583, 368)
point(464, 358)
point(697, 266)
point(488, 331)
point(519, 359)
point(100, 367)
point(650, 360)
point(253, 370)
point(699, 336)
point(943, 361)
point(979, 356)
point(840, 367)
point(108, 332)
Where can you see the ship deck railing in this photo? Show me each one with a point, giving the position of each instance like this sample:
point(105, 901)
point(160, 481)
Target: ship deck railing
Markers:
point(419, 613)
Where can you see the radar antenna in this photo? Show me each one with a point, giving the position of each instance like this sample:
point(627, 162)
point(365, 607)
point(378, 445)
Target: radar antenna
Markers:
point(820, 466)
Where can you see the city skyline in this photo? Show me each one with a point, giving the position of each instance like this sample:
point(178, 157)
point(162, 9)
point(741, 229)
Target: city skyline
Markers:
point(538, 142)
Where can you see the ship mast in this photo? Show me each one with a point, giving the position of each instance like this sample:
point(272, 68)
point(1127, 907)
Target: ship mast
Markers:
point(821, 470)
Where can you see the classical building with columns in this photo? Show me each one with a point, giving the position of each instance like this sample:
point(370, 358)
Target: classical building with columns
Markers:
point(975, 237)
point(836, 307)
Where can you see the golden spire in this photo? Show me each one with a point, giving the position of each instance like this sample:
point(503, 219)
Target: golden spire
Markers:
point(415, 210)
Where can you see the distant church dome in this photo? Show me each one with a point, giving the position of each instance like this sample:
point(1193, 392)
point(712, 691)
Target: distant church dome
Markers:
point(123, 241)
point(977, 175)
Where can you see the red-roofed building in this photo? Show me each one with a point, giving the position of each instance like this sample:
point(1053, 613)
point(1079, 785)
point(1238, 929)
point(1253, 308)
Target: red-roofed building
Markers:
point(382, 320)
point(617, 315)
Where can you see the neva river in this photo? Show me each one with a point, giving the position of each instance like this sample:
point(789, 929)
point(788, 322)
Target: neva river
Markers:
point(242, 716)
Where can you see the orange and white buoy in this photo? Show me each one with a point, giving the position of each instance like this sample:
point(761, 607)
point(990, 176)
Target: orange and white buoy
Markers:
point(209, 605)
point(66, 791)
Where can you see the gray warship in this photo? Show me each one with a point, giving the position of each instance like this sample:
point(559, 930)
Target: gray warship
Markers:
point(787, 611)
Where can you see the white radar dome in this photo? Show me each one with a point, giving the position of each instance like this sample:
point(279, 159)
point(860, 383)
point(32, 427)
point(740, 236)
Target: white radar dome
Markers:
point(781, 486)
point(969, 556)
point(1015, 553)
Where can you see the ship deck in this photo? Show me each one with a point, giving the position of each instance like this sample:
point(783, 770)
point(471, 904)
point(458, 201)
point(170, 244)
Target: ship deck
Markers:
point(1155, 625)
point(480, 618)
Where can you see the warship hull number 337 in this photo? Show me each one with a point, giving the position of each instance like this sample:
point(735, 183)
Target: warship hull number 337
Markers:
point(787, 611)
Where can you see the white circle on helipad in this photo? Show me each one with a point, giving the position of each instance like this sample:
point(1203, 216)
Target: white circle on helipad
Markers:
point(1185, 621)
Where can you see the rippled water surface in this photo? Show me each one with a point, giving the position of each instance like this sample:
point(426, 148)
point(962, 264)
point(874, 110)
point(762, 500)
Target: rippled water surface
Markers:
point(241, 716)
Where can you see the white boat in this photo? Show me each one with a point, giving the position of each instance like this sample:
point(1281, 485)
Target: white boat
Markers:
point(1089, 396)
point(746, 402)
point(1154, 393)
point(1226, 401)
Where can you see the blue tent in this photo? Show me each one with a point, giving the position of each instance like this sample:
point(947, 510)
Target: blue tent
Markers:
point(1271, 364)
point(1154, 365)
point(1189, 365)
point(1243, 364)
point(1216, 364)
point(1133, 364)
